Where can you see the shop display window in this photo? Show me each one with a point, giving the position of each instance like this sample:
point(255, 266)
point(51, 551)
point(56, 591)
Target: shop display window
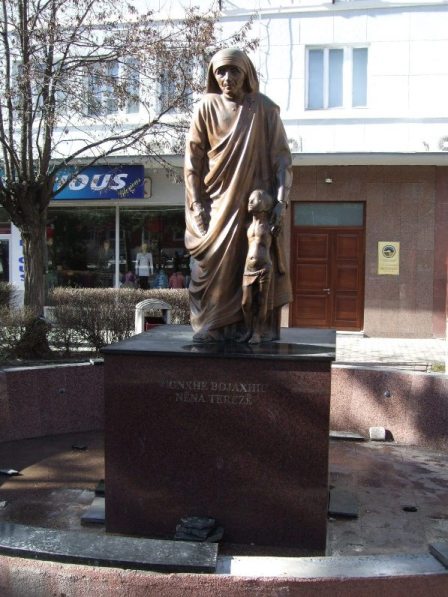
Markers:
point(81, 247)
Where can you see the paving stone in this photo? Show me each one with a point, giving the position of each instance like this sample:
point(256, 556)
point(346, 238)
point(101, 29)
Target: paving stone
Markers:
point(343, 503)
point(100, 489)
point(106, 550)
point(440, 551)
point(96, 514)
point(347, 435)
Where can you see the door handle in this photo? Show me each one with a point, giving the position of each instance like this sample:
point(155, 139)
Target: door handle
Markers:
point(327, 290)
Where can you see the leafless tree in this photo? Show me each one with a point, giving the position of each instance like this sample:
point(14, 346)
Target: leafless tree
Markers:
point(72, 74)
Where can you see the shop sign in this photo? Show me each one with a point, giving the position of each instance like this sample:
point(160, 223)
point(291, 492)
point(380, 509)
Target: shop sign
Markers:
point(388, 258)
point(17, 275)
point(101, 182)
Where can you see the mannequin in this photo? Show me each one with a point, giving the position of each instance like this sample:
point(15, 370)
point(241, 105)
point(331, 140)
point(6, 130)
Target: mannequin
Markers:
point(105, 255)
point(144, 266)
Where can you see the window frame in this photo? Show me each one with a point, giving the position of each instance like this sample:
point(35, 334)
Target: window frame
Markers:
point(107, 103)
point(347, 76)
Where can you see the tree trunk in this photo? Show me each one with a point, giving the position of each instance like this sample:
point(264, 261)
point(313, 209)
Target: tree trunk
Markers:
point(34, 252)
point(34, 343)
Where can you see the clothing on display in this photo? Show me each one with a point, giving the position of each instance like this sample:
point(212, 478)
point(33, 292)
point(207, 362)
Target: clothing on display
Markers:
point(143, 264)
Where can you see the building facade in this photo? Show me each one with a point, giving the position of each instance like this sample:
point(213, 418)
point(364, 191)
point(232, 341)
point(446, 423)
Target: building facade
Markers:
point(360, 85)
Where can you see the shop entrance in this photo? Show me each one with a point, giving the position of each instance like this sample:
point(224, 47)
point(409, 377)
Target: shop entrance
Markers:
point(328, 265)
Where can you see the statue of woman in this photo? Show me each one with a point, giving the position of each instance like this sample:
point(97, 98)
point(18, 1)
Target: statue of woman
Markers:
point(236, 144)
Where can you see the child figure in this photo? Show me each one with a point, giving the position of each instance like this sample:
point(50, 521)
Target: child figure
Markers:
point(258, 267)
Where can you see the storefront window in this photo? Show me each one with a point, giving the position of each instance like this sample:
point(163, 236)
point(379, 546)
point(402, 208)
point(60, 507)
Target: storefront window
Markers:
point(81, 246)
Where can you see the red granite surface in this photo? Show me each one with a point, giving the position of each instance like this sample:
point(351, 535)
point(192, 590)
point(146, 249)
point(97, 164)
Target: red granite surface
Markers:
point(242, 441)
point(412, 406)
point(39, 401)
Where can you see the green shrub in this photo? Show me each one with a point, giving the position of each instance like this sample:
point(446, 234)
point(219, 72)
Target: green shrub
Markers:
point(13, 325)
point(437, 368)
point(100, 316)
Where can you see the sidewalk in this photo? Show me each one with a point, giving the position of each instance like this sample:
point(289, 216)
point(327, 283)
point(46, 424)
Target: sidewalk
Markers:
point(410, 352)
point(400, 491)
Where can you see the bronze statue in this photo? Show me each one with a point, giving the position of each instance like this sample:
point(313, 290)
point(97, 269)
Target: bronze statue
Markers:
point(236, 144)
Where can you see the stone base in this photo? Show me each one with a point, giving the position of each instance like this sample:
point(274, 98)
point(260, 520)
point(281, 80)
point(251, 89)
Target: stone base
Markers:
point(236, 433)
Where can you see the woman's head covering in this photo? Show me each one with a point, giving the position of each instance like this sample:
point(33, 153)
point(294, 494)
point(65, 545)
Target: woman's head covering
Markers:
point(235, 58)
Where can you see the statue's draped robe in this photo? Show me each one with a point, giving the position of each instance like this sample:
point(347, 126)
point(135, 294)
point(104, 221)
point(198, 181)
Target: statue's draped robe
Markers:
point(233, 153)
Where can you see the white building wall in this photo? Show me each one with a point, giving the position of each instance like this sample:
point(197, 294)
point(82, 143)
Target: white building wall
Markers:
point(407, 70)
point(407, 45)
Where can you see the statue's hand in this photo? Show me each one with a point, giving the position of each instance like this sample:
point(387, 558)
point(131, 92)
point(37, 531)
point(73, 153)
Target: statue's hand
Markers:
point(277, 217)
point(199, 216)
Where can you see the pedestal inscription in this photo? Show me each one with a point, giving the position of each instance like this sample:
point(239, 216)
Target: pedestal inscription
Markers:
point(242, 440)
point(213, 392)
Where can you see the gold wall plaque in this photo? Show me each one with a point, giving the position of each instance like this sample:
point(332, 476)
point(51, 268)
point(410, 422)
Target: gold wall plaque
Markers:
point(388, 258)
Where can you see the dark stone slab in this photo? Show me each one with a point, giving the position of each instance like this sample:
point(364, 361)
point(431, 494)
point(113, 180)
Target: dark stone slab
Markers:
point(100, 488)
point(347, 436)
point(95, 513)
point(118, 552)
point(343, 503)
point(177, 340)
point(440, 551)
point(214, 431)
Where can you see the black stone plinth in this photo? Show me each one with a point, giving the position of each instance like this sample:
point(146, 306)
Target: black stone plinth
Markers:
point(99, 550)
point(233, 432)
point(177, 341)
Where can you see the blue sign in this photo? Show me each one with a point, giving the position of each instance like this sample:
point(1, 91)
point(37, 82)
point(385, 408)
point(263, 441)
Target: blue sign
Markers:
point(101, 182)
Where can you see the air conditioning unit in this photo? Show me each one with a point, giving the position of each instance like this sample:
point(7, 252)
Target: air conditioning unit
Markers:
point(295, 145)
point(443, 143)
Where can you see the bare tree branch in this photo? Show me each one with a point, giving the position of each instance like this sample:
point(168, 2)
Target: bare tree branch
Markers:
point(84, 80)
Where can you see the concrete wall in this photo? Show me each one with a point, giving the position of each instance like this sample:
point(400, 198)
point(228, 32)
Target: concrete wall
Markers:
point(41, 401)
point(412, 406)
point(20, 577)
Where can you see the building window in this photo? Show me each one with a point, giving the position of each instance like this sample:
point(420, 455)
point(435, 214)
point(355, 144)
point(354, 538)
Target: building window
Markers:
point(175, 89)
point(82, 247)
point(133, 85)
point(179, 86)
point(340, 213)
point(336, 78)
point(112, 87)
point(168, 91)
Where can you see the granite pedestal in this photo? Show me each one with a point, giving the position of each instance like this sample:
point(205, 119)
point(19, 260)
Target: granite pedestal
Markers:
point(233, 432)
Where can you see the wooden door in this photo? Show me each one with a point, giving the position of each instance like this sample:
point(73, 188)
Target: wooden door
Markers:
point(328, 277)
